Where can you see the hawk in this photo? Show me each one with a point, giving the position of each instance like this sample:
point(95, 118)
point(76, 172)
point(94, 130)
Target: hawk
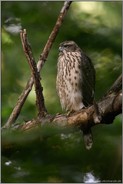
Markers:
point(75, 82)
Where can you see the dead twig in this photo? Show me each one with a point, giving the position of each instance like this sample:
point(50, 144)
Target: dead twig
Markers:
point(36, 76)
point(22, 98)
point(110, 106)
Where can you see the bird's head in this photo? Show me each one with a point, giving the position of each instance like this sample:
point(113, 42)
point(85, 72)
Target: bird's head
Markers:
point(68, 46)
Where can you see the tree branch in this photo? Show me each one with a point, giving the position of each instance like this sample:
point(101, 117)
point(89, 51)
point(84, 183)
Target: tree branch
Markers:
point(110, 106)
point(21, 100)
point(115, 87)
point(36, 76)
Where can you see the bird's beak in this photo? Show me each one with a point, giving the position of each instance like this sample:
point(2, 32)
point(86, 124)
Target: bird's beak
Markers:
point(60, 49)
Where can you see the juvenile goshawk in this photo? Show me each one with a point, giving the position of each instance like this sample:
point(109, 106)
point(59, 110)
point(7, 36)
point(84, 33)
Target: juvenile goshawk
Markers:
point(75, 81)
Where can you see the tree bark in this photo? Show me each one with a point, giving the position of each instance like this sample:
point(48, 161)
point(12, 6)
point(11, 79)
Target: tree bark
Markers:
point(109, 106)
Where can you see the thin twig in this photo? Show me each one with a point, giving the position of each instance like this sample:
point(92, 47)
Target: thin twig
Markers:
point(110, 105)
point(36, 77)
point(63, 121)
point(22, 98)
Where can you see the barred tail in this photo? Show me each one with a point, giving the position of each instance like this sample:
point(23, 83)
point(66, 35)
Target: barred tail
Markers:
point(88, 139)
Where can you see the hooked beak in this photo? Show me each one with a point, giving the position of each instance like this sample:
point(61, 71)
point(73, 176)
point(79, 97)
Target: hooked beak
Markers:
point(60, 49)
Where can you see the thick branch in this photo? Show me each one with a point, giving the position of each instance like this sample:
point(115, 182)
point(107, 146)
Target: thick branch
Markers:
point(36, 77)
point(110, 106)
point(16, 111)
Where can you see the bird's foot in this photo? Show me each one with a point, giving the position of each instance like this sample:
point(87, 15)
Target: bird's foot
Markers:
point(70, 112)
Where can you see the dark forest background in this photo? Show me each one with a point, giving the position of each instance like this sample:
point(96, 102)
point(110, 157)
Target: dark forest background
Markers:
point(52, 154)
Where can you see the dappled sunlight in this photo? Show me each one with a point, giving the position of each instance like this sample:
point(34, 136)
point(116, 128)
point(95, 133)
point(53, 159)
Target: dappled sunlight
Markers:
point(7, 163)
point(90, 16)
point(32, 97)
point(94, 8)
point(49, 153)
point(90, 178)
point(13, 25)
point(58, 157)
point(6, 39)
point(87, 15)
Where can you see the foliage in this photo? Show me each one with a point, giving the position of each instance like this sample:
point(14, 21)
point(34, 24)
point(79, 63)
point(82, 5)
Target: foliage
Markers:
point(52, 154)
point(96, 28)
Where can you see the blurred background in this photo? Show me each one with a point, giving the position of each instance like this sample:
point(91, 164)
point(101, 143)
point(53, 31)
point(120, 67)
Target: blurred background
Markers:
point(50, 154)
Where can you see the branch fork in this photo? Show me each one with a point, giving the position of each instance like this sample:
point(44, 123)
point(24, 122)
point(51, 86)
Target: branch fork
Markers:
point(22, 98)
point(109, 106)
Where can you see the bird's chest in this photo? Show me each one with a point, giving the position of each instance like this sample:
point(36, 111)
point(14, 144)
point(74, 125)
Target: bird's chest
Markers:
point(70, 80)
point(69, 69)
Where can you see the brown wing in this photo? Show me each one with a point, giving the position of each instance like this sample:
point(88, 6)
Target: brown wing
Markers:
point(88, 80)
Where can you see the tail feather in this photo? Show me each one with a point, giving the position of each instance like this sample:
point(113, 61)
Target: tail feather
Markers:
point(88, 140)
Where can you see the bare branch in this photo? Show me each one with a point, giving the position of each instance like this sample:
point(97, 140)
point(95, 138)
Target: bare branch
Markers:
point(110, 107)
point(21, 100)
point(36, 77)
